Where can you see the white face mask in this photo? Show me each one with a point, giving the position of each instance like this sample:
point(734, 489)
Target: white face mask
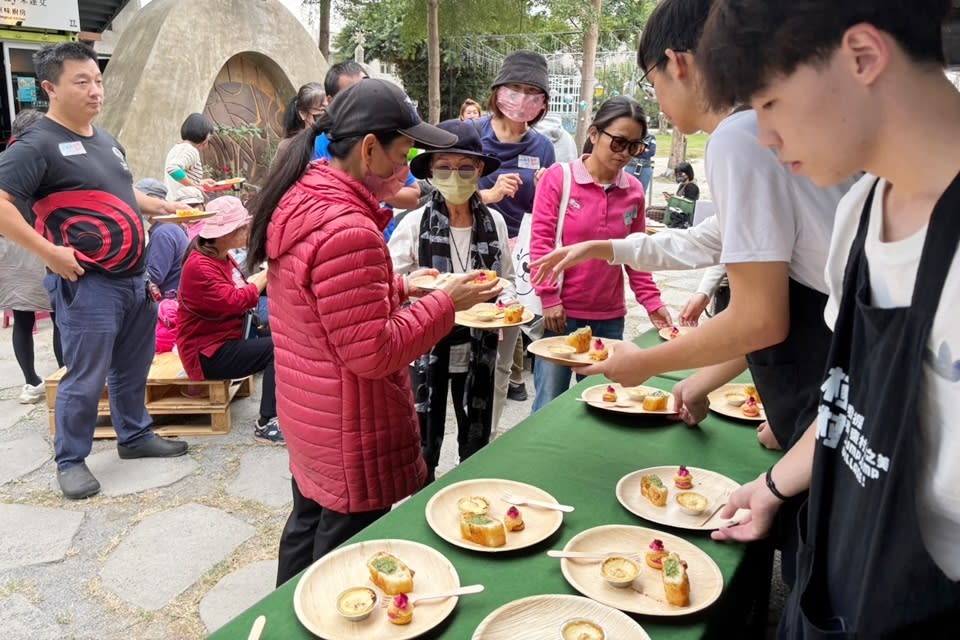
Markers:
point(455, 189)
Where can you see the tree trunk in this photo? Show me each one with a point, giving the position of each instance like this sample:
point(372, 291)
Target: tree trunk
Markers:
point(433, 60)
point(678, 149)
point(324, 39)
point(588, 74)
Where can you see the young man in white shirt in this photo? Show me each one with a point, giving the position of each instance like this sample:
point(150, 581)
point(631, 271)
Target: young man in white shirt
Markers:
point(841, 85)
point(773, 228)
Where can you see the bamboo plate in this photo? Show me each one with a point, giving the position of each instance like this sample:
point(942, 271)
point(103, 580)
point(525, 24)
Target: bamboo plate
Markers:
point(593, 396)
point(665, 332)
point(553, 350)
point(715, 487)
point(469, 319)
point(430, 283)
point(540, 617)
point(315, 598)
point(646, 595)
point(199, 215)
point(443, 516)
point(229, 182)
point(718, 403)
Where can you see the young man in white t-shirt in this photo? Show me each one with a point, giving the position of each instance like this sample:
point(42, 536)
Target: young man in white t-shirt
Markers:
point(841, 85)
point(774, 232)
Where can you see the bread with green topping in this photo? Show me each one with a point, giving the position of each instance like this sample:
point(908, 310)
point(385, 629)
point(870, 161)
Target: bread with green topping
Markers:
point(483, 530)
point(389, 572)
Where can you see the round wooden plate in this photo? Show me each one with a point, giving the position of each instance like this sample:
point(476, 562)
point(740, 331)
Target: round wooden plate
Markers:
point(646, 595)
point(190, 218)
point(593, 396)
point(468, 318)
point(315, 598)
point(540, 617)
point(665, 332)
point(554, 349)
point(430, 283)
point(715, 487)
point(443, 516)
point(718, 403)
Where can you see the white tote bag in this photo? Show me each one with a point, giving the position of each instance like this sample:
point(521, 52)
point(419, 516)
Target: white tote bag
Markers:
point(526, 294)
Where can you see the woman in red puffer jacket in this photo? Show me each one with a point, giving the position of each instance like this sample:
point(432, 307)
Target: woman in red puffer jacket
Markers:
point(342, 340)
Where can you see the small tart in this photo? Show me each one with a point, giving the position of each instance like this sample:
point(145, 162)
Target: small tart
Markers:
point(581, 629)
point(691, 502)
point(619, 571)
point(473, 505)
point(356, 603)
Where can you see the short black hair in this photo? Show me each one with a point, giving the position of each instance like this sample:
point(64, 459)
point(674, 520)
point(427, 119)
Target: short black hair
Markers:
point(687, 168)
point(48, 62)
point(747, 43)
point(674, 24)
point(349, 68)
point(196, 128)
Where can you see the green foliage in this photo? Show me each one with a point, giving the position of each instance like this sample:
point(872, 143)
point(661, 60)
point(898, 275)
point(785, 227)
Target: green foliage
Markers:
point(395, 32)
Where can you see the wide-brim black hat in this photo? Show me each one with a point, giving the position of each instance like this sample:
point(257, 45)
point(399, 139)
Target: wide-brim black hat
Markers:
point(467, 144)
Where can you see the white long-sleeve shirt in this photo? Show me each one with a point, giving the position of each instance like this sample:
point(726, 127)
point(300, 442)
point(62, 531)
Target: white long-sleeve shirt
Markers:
point(693, 248)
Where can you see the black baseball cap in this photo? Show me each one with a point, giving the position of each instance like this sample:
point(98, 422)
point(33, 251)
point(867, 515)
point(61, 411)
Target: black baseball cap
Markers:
point(377, 106)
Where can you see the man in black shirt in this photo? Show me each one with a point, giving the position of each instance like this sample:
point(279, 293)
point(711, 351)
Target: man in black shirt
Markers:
point(93, 241)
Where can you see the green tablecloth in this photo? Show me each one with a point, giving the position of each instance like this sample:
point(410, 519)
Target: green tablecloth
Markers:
point(577, 453)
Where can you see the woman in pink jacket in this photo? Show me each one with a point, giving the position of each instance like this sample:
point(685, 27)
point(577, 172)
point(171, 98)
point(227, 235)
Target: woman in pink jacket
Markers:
point(605, 202)
point(342, 340)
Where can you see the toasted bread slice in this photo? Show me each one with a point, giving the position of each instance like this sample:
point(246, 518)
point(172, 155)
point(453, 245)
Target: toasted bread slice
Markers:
point(390, 573)
point(483, 530)
point(580, 339)
point(651, 488)
point(655, 401)
point(676, 584)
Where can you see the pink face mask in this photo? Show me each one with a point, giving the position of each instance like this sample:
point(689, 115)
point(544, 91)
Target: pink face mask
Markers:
point(385, 188)
point(518, 106)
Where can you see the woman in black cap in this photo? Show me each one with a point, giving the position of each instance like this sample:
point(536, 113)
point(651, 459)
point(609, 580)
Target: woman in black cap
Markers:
point(519, 100)
point(342, 340)
point(455, 233)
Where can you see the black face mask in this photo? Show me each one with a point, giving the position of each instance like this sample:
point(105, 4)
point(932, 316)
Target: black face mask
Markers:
point(681, 178)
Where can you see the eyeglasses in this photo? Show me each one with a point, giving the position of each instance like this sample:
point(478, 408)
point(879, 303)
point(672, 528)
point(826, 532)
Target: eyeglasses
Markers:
point(467, 171)
point(618, 144)
point(662, 60)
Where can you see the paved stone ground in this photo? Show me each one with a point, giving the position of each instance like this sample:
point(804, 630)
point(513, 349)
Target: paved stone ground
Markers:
point(170, 548)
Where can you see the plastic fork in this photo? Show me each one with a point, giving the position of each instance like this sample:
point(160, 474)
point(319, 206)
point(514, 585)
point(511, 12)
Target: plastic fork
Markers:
point(514, 499)
point(592, 555)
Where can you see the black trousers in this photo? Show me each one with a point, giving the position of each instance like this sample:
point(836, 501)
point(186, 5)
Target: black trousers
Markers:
point(241, 358)
point(313, 531)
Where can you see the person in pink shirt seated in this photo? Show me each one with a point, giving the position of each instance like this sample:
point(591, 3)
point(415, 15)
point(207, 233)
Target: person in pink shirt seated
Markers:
point(214, 301)
point(605, 202)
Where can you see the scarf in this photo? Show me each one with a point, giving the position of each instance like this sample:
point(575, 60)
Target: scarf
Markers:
point(431, 371)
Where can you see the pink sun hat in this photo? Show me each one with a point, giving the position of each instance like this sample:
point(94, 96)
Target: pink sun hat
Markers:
point(230, 215)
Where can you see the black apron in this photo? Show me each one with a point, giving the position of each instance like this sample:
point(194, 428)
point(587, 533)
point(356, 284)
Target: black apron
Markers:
point(863, 569)
point(788, 375)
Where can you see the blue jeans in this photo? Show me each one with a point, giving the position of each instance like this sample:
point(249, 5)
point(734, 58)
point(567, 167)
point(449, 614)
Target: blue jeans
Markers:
point(551, 380)
point(107, 326)
point(646, 179)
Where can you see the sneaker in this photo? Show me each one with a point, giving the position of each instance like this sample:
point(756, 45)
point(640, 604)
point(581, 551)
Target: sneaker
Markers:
point(517, 391)
point(32, 393)
point(268, 433)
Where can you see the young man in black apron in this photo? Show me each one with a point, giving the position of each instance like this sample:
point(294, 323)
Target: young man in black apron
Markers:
point(880, 556)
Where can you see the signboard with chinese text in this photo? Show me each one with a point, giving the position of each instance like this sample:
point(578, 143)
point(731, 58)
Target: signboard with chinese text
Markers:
point(59, 15)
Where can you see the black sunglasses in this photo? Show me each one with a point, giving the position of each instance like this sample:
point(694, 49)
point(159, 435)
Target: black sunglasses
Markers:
point(619, 143)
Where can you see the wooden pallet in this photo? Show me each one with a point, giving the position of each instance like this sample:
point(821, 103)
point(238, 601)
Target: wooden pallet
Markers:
point(178, 405)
